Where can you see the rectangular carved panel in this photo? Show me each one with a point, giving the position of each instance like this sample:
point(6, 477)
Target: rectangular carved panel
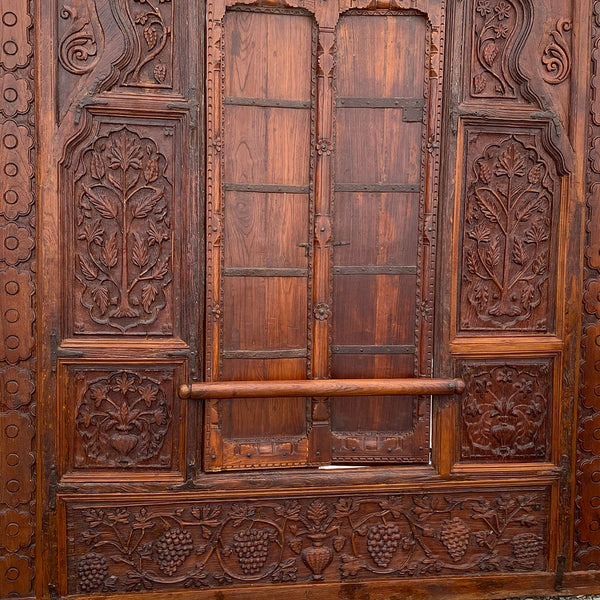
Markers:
point(185, 543)
point(123, 262)
point(122, 418)
point(506, 409)
point(508, 231)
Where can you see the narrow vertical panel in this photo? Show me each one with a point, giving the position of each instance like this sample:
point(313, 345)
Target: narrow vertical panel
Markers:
point(380, 124)
point(17, 302)
point(266, 221)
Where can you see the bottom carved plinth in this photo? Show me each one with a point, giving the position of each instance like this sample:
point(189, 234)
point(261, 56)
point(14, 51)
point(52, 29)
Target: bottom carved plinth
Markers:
point(179, 543)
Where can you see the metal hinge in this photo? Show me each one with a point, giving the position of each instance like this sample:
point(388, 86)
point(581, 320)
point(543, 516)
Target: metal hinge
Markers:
point(56, 352)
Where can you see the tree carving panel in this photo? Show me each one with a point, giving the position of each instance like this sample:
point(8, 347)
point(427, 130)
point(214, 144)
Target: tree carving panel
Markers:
point(506, 410)
point(509, 233)
point(127, 546)
point(123, 247)
point(123, 418)
point(17, 314)
point(587, 538)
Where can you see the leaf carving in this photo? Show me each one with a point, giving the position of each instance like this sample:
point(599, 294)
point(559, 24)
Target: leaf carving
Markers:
point(101, 298)
point(88, 269)
point(143, 208)
point(140, 255)
point(149, 293)
point(490, 52)
point(518, 254)
point(110, 251)
point(488, 207)
point(102, 203)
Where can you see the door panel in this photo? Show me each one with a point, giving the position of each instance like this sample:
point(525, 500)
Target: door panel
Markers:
point(340, 189)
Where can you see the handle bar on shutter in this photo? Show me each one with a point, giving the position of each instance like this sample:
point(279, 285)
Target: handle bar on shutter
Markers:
point(321, 387)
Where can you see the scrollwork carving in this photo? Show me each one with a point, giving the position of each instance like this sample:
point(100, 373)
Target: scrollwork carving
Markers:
point(209, 544)
point(123, 260)
point(78, 48)
point(557, 54)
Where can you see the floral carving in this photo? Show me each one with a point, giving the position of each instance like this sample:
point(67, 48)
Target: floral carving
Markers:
point(16, 95)
point(505, 411)
point(203, 544)
point(557, 54)
point(124, 254)
point(154, 32)
point(497, 27)
point(507, 237)
point(123, 419)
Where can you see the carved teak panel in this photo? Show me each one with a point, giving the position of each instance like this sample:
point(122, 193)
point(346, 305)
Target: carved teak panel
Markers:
point(242, 190)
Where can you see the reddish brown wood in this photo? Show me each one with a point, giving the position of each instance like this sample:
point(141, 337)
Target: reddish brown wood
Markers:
point(322, 387)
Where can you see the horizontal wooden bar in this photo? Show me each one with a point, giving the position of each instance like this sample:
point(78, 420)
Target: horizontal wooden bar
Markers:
point(377, 349)
point(266, 102)
point(266, 354)
point(375, 270)
point(379, 188)
point(380, 102)
point(265, 272)
point(266, 188)
point(322, 387)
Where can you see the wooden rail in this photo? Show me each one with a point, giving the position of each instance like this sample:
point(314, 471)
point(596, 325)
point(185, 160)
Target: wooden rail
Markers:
point(322, 387)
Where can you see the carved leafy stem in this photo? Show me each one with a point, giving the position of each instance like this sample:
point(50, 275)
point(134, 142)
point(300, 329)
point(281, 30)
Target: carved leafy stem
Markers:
point(156, 33)
point(508, 221)
point(123, 222)
point(495, 25)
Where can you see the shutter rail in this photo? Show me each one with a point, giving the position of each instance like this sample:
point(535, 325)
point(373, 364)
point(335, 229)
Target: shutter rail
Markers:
point(215, 390)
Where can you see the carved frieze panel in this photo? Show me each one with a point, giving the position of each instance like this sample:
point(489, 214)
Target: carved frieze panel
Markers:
point(509, 220)
point(499, 30)
point(123, 417)
point(123, 245)
point(506, 410)
point(127, 546)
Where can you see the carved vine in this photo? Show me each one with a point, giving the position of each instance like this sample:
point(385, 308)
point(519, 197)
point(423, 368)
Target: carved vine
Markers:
point(557, 54)
point(78, 48)
point(154, 34)
point(211, 545)
point(123, 230)
point(498, 29)
point(507, 235)
point(123, 419)
point(504, 411)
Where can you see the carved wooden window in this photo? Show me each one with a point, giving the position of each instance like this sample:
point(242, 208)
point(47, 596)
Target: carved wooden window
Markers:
point(320, 229)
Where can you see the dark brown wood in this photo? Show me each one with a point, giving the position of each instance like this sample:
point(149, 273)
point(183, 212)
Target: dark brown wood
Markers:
point(321, 387)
